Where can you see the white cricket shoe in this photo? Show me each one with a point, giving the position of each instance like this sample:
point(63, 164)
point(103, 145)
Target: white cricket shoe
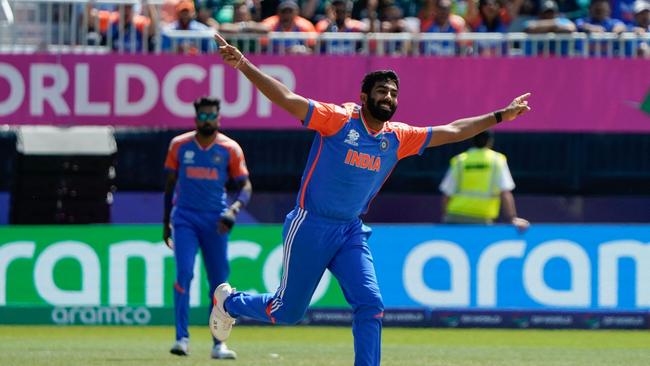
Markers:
point(221, 351)
point(181, 347)
point(220, 321)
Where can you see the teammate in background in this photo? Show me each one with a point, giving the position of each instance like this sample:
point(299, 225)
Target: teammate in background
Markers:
point(200, 163)
point(353, 153)
point(476, 183)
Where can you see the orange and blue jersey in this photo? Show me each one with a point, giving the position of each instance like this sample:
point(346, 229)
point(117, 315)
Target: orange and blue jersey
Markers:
point(348, 162)
point(204, 171)
point(347, 165)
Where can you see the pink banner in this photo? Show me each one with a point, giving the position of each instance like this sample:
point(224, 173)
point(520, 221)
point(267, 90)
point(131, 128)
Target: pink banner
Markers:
point(569, 95)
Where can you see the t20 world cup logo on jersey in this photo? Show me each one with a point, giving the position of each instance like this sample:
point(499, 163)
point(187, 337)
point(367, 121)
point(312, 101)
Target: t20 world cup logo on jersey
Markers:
point(352, 138)
point(188, 157)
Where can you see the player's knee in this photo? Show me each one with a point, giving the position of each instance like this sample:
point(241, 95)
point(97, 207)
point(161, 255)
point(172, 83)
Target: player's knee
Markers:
point(371, 309)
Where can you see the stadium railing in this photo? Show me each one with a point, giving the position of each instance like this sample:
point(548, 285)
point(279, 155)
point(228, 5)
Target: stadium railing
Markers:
point(64, 26)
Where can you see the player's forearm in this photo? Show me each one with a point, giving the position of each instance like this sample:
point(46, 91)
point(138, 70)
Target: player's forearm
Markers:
point(468, 127)
point(277, 92)
point(243, 195)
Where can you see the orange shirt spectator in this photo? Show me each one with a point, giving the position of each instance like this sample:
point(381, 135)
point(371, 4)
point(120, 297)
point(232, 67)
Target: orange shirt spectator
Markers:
point(340, 20)
point(288, 20)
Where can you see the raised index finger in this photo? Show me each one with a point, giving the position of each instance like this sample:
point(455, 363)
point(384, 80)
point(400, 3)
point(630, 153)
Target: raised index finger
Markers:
point(220, 41)
point(521, 98)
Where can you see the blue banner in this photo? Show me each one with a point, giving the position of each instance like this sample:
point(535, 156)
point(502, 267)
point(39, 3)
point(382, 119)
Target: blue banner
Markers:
point(568, 267)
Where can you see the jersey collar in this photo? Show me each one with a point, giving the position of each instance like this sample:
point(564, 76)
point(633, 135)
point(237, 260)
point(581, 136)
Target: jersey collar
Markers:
point(212, 143)
point(370, 131)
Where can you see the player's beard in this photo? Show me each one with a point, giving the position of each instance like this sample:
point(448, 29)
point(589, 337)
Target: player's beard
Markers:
point(380, 113)
point(206, 130)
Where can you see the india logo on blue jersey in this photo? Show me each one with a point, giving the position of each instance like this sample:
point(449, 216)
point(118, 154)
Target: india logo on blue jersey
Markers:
point(363, 160)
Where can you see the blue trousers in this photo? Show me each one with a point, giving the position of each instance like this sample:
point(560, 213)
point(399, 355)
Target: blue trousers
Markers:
point(193, 230)
point(311, 245)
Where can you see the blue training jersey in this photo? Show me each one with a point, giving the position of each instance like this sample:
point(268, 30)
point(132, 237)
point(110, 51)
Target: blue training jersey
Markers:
point(204, 171)
point(348, 163)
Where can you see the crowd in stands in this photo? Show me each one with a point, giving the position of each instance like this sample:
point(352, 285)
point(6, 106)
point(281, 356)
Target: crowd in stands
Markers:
point(232, 17)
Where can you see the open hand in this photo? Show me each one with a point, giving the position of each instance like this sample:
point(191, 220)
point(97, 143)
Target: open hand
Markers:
point(230, 54)
point(518, 107)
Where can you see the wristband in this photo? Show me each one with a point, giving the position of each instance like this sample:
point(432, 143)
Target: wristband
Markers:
point(498, 116)
point(240, 62)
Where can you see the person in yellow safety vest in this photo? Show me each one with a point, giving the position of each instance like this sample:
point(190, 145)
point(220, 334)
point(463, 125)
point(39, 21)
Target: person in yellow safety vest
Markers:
point(476, 183)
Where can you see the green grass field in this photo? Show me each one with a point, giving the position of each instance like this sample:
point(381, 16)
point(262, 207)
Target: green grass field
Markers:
point(310, 346)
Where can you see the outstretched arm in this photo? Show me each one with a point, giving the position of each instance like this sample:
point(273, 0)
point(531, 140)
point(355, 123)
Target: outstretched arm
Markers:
point(277, 92)
point(465, 128)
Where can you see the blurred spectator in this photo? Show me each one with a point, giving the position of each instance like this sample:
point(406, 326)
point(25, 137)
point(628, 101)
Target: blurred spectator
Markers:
point(205, 15)
point(394, 22)
point(491, 18)
point(185, 13)
point(442, 22)
point(123, 29)
point(527, 11)
point(573, 9)
point(641, 26)
point(367, 9)
point(242, 22)
point(492, 21)
point(428, 15)
point(410, 8)
point(222, 11)
point(313, 10)
point(339, 20)
point(504, 14)
point(623, 10)
point(641, 23)
point(168, 11)
point(598, 22)
point(550, 20)
point(288, 20)
point(599, 19)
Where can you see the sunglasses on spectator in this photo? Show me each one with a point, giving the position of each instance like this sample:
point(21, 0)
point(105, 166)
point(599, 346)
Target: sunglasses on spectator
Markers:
point(202, 116)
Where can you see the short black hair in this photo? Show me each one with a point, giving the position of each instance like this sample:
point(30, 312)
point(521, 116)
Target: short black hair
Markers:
point(372, 78)
point(482, 139)
point(206, 101)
